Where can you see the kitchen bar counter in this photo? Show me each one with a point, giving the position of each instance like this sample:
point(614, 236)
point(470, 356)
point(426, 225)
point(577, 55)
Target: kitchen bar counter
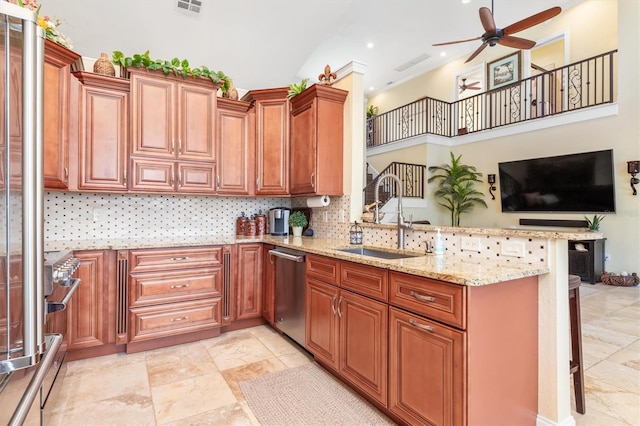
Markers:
point(456, 269)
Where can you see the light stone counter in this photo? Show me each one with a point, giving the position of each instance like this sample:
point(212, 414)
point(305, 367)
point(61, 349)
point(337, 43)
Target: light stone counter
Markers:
point(454, 269)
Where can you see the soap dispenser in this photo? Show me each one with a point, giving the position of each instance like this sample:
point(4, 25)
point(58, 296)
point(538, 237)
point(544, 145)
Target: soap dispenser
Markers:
point(438, 247)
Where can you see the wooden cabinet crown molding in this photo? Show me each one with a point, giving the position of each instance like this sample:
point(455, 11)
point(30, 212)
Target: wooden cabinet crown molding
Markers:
point(59, 56)
point(317, 91)
point(102, 81)
point(194, 81)
point(266, 94)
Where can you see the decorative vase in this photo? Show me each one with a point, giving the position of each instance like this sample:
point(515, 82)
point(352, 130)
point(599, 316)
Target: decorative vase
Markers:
point(104, 66)
point(297, 231)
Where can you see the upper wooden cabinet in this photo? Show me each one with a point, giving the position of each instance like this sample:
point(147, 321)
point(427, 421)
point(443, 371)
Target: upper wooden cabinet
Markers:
point(235, 141)
point(272, 110)
point(317, 117)
point(171, 117)
point(57, 75)
point(102, 133)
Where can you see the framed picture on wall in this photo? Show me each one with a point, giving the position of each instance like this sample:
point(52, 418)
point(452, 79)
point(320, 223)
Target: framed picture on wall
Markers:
point(504, 71)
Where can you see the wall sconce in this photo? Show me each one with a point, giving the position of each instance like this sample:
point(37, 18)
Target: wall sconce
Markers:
point(632, 169)
point(492, 180)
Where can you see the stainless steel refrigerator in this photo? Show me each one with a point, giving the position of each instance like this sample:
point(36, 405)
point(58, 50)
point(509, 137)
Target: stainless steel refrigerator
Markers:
point(25, 351)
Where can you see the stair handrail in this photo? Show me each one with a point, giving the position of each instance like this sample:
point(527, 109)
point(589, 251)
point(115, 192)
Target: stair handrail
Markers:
point(411, 175)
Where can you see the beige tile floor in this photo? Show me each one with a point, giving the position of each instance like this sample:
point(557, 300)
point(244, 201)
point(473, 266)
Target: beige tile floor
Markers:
point(197, 383)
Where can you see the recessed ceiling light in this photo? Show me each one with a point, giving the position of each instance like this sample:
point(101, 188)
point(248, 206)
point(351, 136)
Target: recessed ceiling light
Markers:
point(466, 1)
point(443, 54)
point(370, 45)
point(371, 88)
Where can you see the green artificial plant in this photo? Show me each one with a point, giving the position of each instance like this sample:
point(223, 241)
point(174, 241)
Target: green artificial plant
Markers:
point(456, 187)
point(594, 223)
point(372, 111)
point(298, 219)
point(297, 88)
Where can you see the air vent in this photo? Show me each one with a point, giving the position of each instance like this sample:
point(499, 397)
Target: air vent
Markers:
point(412, 62)
point(189, 7)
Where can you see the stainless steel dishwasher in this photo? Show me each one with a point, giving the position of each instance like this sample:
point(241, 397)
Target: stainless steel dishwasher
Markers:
point(290, 292)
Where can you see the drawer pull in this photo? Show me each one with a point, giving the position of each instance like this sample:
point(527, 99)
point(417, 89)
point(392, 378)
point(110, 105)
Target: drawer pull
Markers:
point(333, 303)
point(180, 286)
point(422, 326)
point(178, 259)
point(421, 297)
point(179, 319)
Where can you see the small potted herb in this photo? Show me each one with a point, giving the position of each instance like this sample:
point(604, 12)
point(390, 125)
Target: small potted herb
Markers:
point(594, 223)
point(297, 221)
point(297, 88)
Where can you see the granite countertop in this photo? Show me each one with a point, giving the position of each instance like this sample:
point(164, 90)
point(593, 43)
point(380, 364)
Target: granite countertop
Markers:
point(454, 269)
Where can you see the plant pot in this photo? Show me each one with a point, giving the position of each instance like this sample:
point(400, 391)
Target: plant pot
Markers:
point(297, 231)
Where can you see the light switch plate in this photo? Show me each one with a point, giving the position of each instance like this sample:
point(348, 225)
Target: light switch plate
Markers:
point(512, 248)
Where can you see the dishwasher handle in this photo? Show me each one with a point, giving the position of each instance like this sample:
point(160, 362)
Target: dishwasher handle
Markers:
point(293, 257)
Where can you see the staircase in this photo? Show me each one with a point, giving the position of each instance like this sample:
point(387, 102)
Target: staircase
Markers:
point(411, 176)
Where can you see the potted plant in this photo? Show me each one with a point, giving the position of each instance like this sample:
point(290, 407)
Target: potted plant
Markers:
point(456, 187)
point(594, 223)
point(297, 220)
point(297, 88)
point(372, 111)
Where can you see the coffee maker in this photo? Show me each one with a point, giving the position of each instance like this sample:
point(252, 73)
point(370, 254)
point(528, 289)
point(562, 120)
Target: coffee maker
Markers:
point(279, 221)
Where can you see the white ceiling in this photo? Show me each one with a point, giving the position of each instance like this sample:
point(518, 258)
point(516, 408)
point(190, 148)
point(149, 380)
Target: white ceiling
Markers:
point(272, 43)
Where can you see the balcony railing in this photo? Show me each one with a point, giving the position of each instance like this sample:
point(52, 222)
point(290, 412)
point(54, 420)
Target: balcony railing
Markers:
point(583, 84)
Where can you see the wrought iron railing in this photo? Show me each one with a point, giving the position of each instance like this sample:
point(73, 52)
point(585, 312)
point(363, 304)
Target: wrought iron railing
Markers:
point(583, 84)
point(411, 176)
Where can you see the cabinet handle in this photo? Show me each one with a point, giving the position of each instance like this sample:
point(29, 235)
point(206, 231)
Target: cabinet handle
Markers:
point(421, 297)
point(257, 182)
point(66, 171)
point(179, 286)
point(173, 146)
point(178, 259)
point(124, 175)
point(218, 183)
point(339, 306)
point(180, 178)
point(179, 319)
point(311, 179)
point(172, 178)
point(333, 303)
point(422, 326)
point(180, 146)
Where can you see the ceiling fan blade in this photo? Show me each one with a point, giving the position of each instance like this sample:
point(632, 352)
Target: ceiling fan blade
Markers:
point(473, 85)
point(532, 20)
point(517, 42)
point(457, 41)
point(476, 53)
point(486, 17)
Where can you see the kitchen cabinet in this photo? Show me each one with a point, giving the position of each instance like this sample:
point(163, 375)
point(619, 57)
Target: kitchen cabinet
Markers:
point(173, 123)
point(317, 141)
point(447, 342)
point(235, 142)
point(58, 62)
point(269, 288)
point(249, 281)
point(588, 262)
point(91, 313)
point(175, 295)
point(272, 116)
point(102, 133)
point(346, 331)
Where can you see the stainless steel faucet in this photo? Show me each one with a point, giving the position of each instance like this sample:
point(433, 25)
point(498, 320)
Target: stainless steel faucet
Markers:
point(402, 225)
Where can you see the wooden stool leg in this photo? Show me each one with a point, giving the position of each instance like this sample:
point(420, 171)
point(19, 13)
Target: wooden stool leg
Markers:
point(576, 349)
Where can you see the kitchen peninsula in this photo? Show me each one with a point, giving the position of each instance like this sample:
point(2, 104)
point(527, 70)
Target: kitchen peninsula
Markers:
point(546, 328)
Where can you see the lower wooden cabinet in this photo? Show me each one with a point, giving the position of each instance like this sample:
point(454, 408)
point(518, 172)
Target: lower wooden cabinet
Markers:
point(91, 314)
point(249, 282)
point(426, 370)
point(348, 333)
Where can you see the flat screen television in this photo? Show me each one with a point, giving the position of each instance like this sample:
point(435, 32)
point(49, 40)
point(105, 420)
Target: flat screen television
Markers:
point(574, 183)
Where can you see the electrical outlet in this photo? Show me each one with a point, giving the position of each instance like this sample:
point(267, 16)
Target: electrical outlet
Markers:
point(325, 216)
point(512, 248)
point(341, 216)
point(99, 215)
point(470, 243)
point(607, 257)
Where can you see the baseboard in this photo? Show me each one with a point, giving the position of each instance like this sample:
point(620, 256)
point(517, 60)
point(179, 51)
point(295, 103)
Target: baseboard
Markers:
point(543, 421)
point(555, 222)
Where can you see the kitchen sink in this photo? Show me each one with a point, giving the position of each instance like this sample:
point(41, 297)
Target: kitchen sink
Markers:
point(380, 254)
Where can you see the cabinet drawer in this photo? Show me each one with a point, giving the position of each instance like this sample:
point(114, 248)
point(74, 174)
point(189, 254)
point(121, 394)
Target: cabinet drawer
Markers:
point(166, 259)
point(158, 287)
point(174, 318)
point(323, 268)
point(364, 279)
point(434, 299)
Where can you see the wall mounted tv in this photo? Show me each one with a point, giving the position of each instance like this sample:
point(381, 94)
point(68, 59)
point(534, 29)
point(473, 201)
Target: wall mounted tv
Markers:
point(578, 183)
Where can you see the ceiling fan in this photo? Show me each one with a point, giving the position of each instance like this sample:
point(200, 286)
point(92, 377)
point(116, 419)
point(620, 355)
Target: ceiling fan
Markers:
point(471, 86)
point(493, 35)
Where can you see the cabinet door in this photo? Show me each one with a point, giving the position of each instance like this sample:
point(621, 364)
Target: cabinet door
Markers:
point(103, 137)
point(302, 167)
point(269, 291)
point(427, 370)
point(322, 322)
point(195, 115)
point(249, 283)
point(196, 177)
point(91, 312)
point(152, 116)
point(272, 146)
point(152, 175)
point(235, 145)
point(363, 343)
